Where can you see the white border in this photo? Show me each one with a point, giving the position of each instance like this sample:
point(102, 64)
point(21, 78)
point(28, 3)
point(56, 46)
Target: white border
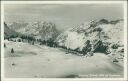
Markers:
point(62, 2)
point(125, 41)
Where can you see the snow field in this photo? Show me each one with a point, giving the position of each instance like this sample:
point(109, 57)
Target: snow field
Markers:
point(35, 61)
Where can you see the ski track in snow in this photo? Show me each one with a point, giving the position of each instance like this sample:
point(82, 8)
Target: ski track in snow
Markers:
point(46, 62)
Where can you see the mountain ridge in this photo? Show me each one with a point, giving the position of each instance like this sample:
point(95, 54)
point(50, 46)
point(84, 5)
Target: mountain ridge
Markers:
point(93, 36)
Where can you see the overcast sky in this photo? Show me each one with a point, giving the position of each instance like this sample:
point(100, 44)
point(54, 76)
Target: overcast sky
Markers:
point(63, 15)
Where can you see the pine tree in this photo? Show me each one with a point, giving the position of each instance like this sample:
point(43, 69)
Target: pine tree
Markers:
point(33, 43)
point(12, 50)
point(19, 40)
point(4, 45)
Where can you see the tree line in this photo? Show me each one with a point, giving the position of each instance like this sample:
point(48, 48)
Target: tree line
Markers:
point(51, 43)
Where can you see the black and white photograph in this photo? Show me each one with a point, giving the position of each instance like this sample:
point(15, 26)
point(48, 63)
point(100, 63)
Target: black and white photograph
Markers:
point(53, 40)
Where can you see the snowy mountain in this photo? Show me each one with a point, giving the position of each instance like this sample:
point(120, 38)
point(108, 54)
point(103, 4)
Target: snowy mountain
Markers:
point(40, 30)
point(17, 25)
point(102, 40)
point(94, 36)
point(9, 32)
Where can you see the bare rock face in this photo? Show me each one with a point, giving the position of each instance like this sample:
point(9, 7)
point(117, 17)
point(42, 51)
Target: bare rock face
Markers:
point(94, 36)
point(9, 32)
point(40, 30)
point(17, 26)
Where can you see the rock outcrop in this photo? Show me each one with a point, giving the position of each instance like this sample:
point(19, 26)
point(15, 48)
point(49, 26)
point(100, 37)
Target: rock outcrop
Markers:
point(94, 36)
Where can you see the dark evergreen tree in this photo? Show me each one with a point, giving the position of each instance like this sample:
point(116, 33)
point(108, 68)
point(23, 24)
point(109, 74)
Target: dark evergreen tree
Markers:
point(40, 43)
point(12, 50)
point(33, 43)
point(19, 40)
point(4, 45)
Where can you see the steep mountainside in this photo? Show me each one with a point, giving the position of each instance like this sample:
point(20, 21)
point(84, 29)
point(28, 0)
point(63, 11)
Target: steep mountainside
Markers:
point(17, 25)
point(40, 30)
point(9, 32)
point(94, 36)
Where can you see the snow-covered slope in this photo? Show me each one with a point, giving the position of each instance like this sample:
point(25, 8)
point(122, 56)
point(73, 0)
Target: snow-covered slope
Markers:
point(39, 61)
point(94, 36)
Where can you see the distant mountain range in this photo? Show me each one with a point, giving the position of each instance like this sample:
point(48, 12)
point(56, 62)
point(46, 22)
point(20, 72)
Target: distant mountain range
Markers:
point(39, 30)
point(17, 25)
